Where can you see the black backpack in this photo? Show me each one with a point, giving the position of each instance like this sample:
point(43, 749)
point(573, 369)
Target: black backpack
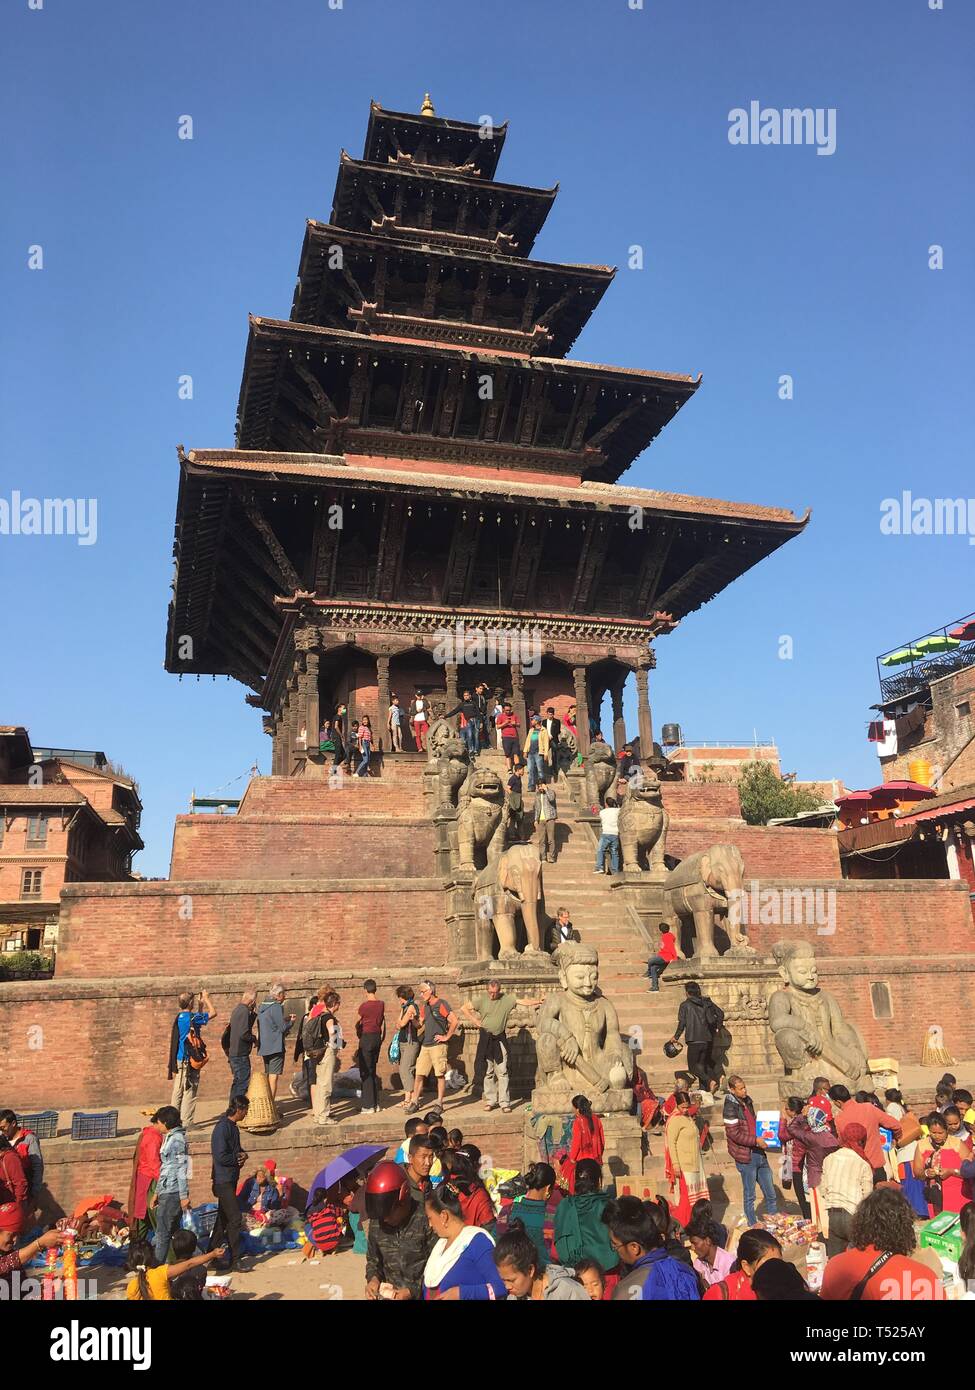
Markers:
point(713, 1016)
point(313, 1039)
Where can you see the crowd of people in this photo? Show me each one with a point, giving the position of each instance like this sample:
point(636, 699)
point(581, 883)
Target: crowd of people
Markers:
point(433, 1224)
point(486, 718)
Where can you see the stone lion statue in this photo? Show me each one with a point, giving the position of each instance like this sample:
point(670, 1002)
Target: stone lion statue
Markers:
point(601, 773)
point(480, 827)
point(643, 826)
point(453, 770)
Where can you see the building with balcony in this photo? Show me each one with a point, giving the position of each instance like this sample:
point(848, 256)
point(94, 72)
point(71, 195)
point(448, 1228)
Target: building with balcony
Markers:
point(66, 816)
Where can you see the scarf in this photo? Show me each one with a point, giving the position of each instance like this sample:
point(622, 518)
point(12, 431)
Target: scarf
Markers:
point(855, 1137)
point(443, 1257)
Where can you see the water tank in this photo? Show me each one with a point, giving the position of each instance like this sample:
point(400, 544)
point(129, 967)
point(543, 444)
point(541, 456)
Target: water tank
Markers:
point(919, 770)
point(671, 736)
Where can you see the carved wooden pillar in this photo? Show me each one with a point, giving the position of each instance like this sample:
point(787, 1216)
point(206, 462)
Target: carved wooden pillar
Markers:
point(582, 707)
point(312, 699)
point(380, 732)
point(300, 700)
point(518, 697)
point(450, 672)
point(619, 723)
point(276, 746)
point(643, 715)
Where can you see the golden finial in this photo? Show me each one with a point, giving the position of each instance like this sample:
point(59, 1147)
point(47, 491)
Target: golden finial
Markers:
point(427, 108)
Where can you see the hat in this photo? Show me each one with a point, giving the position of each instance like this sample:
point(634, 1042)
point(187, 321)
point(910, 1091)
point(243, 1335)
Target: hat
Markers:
point(270, 1165)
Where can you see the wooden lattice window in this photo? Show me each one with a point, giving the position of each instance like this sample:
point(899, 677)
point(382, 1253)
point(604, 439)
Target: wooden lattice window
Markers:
point(37, 829)
point(31, 883)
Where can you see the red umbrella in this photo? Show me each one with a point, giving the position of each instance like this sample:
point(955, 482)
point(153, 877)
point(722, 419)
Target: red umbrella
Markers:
point(965, 632)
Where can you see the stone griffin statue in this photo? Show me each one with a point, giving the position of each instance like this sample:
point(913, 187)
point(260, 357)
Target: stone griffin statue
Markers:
point(507, 886)
point(643, 826)
point(453, 770)
point(601, 773)
point(480, 826)
point(702, 886)
point(811, 1035)
point(578, 1046)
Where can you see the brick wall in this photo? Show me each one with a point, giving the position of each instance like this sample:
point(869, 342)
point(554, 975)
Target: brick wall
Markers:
point(249, 924)
point(691, 800)
point(776, 850)
point(935, 989)
point(207, 847)
point(294, 796)
point(912, 918)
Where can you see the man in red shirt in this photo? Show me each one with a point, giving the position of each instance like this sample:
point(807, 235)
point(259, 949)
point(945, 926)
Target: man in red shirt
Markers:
point(853, 1112)
point(877, 1265)
point(667, 951)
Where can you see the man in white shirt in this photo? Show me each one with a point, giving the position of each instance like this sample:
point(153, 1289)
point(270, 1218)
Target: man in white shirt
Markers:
point(609, 839)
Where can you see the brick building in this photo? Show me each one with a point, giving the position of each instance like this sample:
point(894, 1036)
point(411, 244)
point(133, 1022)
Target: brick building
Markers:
point(66, 816)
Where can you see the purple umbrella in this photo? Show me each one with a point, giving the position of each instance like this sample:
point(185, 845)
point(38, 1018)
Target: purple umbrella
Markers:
point(349, 1162)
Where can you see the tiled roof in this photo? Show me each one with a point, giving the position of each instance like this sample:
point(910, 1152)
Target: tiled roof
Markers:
point(334, 467)
point(61, 794)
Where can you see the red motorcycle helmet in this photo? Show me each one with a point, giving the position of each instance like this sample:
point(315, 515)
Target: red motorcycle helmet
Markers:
point(387, 1187)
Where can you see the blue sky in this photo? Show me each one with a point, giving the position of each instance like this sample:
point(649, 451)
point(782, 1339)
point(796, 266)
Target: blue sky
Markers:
point(759, 261)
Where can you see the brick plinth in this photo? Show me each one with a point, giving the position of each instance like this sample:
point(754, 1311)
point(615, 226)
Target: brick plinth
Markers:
point(300, 847)
point(308, 924)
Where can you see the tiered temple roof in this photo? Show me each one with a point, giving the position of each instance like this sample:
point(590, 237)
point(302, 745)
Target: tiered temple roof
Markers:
point(421, 390)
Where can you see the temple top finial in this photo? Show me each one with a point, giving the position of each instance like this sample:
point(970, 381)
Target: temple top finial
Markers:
point(427, 108)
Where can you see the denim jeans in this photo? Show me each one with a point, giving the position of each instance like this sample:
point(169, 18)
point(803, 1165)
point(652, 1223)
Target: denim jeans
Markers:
point(241, 1075)
point(611, 843)
point(536, 770)
point(363, 768)
point(655, 968)
point(167, 1219)
point(757, 1167)
point(469, 734)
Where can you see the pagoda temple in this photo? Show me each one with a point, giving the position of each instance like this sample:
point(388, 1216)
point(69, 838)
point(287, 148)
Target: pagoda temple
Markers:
point(415, 451)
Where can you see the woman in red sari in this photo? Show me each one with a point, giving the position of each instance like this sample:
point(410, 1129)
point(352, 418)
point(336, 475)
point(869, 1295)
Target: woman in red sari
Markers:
point(13, 1189)
point(145, 1171)
point(937, 1160)
point(588, 1140)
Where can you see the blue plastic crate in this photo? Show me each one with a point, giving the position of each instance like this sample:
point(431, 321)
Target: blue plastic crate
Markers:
point(102, 1124)
point(44, 1123)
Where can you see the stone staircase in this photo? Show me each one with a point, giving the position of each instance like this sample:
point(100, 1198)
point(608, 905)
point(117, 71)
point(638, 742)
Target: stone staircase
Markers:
point(602, 920)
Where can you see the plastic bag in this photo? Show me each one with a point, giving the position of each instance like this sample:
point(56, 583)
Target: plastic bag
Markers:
point(394, 1047)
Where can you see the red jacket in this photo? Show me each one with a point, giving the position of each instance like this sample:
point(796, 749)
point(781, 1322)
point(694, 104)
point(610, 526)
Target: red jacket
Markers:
point(740, 1127)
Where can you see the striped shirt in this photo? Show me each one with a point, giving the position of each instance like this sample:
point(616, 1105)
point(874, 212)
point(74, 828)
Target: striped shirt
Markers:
point(847, 1179)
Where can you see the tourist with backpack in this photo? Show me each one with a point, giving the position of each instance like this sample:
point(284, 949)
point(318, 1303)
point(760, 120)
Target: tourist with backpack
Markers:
point(701, 1020)
point(319, 1043)
point(273, 1028)
point(237, 1041)
point(439, 1024)
point(188, 1053)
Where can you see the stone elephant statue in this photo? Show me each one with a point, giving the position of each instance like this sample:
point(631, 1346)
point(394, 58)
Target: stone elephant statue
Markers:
point(509, 885)
point(601, 773)
point(702, 887)
point(643, 825)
